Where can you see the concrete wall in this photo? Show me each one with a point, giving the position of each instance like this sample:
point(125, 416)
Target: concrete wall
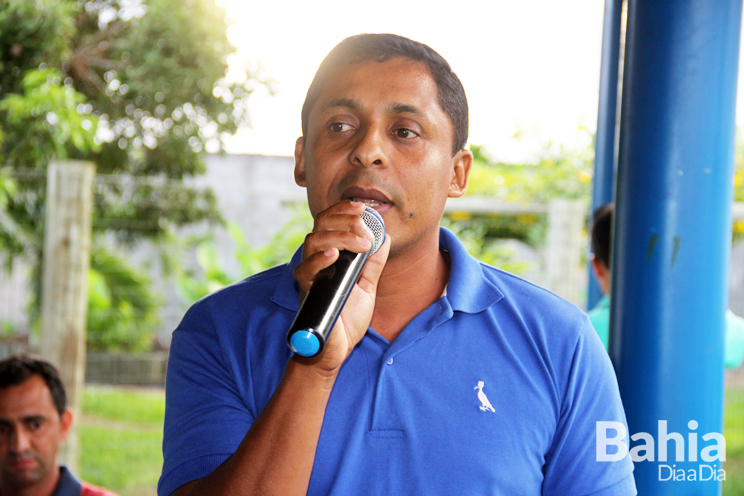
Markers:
point(253, 191)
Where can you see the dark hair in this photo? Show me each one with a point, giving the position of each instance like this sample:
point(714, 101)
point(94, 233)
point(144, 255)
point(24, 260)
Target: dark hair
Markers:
point(383, 47)
point(18, 369)
point(602, 233)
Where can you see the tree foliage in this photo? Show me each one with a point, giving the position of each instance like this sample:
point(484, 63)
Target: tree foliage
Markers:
point(140, 87)
point(121, 307)
point(558, 172)
point(739, 169)
point(212, 275)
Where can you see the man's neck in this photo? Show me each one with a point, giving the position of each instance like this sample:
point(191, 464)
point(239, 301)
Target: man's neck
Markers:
point(411, 281)
point(44, 487)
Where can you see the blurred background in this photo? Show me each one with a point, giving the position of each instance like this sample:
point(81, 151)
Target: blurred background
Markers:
point(188, 111)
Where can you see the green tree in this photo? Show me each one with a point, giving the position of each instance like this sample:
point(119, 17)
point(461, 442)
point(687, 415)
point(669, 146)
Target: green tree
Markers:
point(211, 275)
point(739, 168)
point(122, 310)
point(140, 87)
point(558, 172)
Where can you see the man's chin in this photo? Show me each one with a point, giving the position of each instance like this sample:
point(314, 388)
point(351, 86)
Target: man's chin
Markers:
point(23, 473)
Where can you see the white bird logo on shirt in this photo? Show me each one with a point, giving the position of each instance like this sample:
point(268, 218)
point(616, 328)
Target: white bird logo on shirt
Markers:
point(485, 404)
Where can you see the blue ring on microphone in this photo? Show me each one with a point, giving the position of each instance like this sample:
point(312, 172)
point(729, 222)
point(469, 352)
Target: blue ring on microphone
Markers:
point(304, 343)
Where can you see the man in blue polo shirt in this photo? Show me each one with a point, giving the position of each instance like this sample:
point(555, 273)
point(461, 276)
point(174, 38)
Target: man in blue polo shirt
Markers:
point(442, 375)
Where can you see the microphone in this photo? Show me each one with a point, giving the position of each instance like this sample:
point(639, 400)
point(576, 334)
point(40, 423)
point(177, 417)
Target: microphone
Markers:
point(327, 296)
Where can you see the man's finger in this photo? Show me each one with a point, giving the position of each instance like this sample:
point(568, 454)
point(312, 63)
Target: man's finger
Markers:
point(318, 242)
point(312, 265)
point(352, 222)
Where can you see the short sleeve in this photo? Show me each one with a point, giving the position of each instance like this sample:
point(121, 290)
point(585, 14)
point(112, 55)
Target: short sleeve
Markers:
point(206, 417)
point(591, 395)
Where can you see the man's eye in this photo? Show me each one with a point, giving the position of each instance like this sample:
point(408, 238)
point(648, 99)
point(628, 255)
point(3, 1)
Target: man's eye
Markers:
point(34, 424)
point(405, 133)
point(339, 127)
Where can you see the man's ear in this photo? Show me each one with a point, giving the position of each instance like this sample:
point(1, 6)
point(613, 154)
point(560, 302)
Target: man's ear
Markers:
point(65, 422)
point(462, 161)
point(299, 169)
point(603, 274)
point(599, 268)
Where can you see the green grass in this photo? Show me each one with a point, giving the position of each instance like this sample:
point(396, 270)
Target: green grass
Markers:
point(125, 461)
point(121, 436)
point(733, 431)
point(141, 406)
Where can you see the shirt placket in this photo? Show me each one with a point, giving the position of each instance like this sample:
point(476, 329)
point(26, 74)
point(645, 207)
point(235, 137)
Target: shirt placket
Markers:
point(385, 419)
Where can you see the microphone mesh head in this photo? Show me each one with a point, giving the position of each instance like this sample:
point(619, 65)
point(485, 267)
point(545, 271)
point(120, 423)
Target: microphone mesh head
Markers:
point(377, 226)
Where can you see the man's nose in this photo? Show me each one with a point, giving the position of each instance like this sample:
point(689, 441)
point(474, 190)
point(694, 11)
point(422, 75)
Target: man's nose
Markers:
point(20, 440)
point(370, 150)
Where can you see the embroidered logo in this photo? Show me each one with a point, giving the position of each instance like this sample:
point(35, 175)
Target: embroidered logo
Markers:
point(485, 404)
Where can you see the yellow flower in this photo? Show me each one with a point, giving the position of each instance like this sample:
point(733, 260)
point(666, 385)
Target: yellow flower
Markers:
point(460, 215)
point(738, 179)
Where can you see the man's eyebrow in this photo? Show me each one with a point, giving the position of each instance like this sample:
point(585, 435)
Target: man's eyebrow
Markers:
point(33, 418)
point(345, 102)
point(393, 108)
point(404, 108)
point(23, 420)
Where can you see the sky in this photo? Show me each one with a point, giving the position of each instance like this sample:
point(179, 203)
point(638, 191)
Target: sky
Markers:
point(530, 68)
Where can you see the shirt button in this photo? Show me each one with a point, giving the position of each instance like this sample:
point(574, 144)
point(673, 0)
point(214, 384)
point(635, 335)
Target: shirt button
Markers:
point(390, 362)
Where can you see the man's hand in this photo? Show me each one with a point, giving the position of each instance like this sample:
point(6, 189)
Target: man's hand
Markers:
point(294, 416)
point(340, 227)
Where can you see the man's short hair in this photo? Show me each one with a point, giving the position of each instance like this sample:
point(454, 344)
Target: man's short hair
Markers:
point(383, 47)
point(19, 368)
point(602, 233)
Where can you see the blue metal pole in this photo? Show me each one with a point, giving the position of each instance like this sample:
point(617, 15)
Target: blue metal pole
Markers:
point(673, 232)
point(603, 185)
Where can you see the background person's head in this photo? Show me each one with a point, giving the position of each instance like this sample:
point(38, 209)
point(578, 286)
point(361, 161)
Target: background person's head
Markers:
point(383, 47)
point(34, 420)
point(601, 245)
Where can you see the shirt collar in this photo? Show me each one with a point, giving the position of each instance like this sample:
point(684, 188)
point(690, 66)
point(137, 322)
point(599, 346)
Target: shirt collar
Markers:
point(468, 289)
point(68, 484)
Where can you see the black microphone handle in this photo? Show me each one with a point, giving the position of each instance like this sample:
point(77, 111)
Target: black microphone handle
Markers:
point(325, 300)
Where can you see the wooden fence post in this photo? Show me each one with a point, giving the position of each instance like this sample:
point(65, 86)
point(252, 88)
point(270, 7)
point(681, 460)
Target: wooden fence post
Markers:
point(64, 305)
point(564, 245)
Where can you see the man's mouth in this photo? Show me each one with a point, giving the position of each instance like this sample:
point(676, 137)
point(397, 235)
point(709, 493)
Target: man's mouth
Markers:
point(370, 197)
point(20, 464)
point(368, 201)
point(382, 207)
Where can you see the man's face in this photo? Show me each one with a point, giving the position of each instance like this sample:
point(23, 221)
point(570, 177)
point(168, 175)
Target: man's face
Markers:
point(31, 430)
point(377, 134)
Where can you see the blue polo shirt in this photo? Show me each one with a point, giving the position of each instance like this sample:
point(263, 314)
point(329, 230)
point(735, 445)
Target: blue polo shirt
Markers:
point(495, 389)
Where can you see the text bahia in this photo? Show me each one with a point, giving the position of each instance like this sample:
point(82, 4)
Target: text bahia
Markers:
point(645, 450)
